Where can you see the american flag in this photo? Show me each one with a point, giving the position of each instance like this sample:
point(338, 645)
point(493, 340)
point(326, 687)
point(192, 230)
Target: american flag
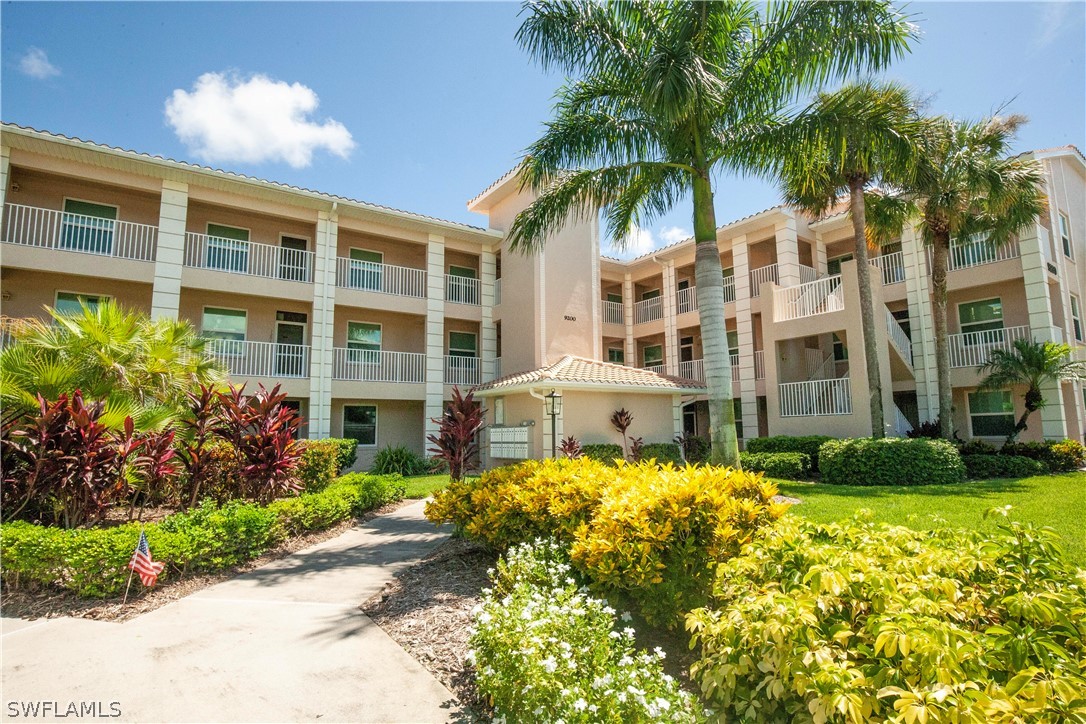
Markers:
point(142, 564)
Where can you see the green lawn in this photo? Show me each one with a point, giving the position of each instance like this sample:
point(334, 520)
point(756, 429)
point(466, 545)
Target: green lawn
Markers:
point(1058, 501)
point(423, 486)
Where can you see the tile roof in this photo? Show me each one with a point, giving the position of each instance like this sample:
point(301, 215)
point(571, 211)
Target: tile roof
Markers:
point(578, 371)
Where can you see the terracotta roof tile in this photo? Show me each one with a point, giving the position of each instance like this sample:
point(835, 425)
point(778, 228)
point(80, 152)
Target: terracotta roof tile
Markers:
point(581, 371)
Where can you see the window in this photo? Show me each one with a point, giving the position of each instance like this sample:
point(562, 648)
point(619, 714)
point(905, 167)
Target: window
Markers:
point(981, 321)
point(225, 324)
point(733, 342)
point(650, 294)
point(991, 414)
point(1076, 318)
point(686, 349)
point(612, 297)
point(227, 248)
point(367, 271)
point(360, 423)
point(729, 271)
point(738, 407)
point(833, 266)
point(653, 355)
point(462, 344)
point(499, 410)
point(88, 227)
point(840, 351)
point(293, 261)
point(71, 303)
point(1065, 236)
point(363, 342)
point(616, 355)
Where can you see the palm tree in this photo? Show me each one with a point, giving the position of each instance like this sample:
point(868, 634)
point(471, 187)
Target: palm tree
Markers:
point(660, 90)
point(836, 147)
point(1034, 365)
point(963, 186)
point(137, 366)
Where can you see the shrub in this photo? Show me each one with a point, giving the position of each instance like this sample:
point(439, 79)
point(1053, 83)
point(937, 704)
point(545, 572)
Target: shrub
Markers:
point(621, 420)
point(348, 452)
point(1002, 466)
point(696, 448)
point(319, 464)
point(642, 531)
point(606, 452)
point(537, 628)
point(789, 466)
point(1059, 457)
point(809, 445)
point(399, 460)
point(890, 461)
point(662, 452)
point(570, 447)
point(976, 447)
point(853, 623)
point(262, 430)
point(456, 441)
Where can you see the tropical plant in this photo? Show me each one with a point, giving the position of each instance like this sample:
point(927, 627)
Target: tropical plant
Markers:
point(964, 186)
point(136, 366)
point(457, 438)
point(199, 424)
point(661, 90)
point(621, 420)
point(842, 142)
point(399, 459)
point(571, 448)
point(1033, 365)
point(263, 432)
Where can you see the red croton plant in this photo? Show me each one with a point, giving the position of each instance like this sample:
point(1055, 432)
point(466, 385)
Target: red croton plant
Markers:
point(457, 441)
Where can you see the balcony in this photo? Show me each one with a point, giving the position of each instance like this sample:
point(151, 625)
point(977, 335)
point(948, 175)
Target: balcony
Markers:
point(695, 369)
point(686, 300)
point(370, 276)
point(462, 371)
point(977, 253)
point(729, 289)
point(892, 267)
point(509, 443)
point(808, 299)
point(261, 359)
point(612, 312)
point(497, 292)
point(461, 290)
point(972, 349)
point(364, 365)
point(51, 229)
point(816, 398)
point(249, 258)
point(659, 369)
point(759, 364)
point(648, 310)
point(760, 275)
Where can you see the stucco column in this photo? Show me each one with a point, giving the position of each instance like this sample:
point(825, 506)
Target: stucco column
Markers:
point(787, 253)
point(488, 262)
point(322, 328)
point(918, 296)
point(677, 415)
point(630, 354)
point(5, 173)
point(744, 326)
point(170, 250)
point(671, 331)
point(820, 254)
point(435, 333)
point(1042, 326)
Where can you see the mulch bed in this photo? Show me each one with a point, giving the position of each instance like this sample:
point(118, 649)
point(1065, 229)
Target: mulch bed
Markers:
point(53, 602)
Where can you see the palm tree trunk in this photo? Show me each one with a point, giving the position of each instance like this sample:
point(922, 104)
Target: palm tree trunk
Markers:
point(867, 306)
point(939, 257)
point(718, 368)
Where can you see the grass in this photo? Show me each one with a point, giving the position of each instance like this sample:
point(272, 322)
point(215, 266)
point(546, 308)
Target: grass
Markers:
point(423, 486)
point(1056, 501)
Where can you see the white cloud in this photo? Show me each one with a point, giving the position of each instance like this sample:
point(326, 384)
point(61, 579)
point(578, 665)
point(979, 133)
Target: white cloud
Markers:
point(674, 234)
point(251, 120)
point(36, 64)
point(1051, 23)
point(640, 241)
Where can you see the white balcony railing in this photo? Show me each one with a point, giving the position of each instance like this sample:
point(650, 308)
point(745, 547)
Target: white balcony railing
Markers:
point(760, 275)
point(692, 369)
point(245, 257)
point(972, 349)
point(370, 276)
point(729, 289)
point(807, 274)
point(497, 367)
point(648, 310)
point(976, 253)
point(52, 229)
point(815, 364)
point(686, 300)
point(612, 312)
point(899, 338)
point(461, 290)
point(816, 397)
point(509, 443)
point(365, 365)
point(261, 359)
point(759, 364)
point(463, 371)
point(902, 426)
point(892, 266)
point(806, 300)
point(659, 369)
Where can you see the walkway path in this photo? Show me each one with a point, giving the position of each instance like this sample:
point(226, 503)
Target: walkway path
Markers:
point(284, 642)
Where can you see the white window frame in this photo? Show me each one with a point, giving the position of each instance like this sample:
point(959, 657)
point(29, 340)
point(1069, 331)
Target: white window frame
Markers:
point(958, 311)
point(112, 231)
point(247, 242)
point(474, 352)
point(303, 325)
point(969, 413)
point(374, 355)
point(643, 298)
point(475, 272)
point(377, 274)
point(644, 358)
point(376, 422)
point(58, 292)
point(306, 239)
point(203, 314)
point(1076, 316)
point(1068, 247)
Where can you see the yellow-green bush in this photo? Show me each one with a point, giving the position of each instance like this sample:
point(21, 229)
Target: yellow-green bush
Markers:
point(319, 464)
point(646, 532)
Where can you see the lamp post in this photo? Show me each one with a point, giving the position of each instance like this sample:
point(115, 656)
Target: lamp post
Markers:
point(553, 402)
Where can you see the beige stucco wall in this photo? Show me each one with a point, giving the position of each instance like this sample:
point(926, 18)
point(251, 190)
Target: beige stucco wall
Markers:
point(961, 416)
point(263, 229)
point(399, 332)
point(27, 291)
point(399, 422)
point(396, 252)
point(48, 191)
point(260, 317)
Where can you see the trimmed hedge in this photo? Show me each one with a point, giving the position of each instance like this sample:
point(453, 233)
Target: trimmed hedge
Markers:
point(809, 445)
point(604, 452)
point(348, 452)
point(93, 562)
point(789, 466)
point(1060, 457)
point(1002, 466)
point(662, 452)
point(890, 461)
point(319, 464)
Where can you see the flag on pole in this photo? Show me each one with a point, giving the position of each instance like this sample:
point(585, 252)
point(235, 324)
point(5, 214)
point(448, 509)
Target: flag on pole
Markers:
point(142, 564)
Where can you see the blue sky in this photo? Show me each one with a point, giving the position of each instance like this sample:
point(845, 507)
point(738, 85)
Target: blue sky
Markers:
point(420, 106)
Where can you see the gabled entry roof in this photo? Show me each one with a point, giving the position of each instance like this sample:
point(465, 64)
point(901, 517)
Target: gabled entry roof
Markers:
point(579, 373)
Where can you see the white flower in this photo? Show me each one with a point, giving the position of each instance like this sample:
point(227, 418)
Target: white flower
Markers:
point(660, 653)
point(593, 708)
point(550, 664)
point(626, 616)
point(580, 705)
point(485, 617)
point(663, 703)
point(628, 631)
point(470, 658)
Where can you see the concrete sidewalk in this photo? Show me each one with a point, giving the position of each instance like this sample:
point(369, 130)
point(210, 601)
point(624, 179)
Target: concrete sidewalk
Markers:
point(283, 643)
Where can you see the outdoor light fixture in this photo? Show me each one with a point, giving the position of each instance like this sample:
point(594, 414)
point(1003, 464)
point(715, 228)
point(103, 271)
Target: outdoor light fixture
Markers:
point(553, 401)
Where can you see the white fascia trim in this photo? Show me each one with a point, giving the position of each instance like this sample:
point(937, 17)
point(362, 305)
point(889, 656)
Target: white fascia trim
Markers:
point(589, 387)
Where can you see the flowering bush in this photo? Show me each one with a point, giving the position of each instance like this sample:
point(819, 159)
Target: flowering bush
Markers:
point(852, 623)
point(545, 650)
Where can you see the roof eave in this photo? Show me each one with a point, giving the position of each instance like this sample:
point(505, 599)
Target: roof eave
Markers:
point(588, 387)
